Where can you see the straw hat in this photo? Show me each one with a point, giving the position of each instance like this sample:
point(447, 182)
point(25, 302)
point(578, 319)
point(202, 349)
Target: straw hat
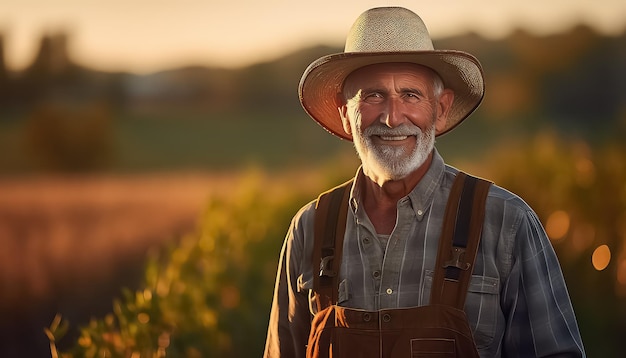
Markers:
point(381, 35)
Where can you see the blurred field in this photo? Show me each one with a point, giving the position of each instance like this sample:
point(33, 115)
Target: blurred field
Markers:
point(69, 243)
point(62, 233)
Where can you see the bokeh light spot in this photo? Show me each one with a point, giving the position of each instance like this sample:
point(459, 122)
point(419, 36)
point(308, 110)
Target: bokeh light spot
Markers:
point(143, 318)
point(557, 225)
point(601, 257)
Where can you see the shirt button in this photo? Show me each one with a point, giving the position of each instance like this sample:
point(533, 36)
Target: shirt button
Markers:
point(376, 274)
point(386, 317)
point(420, 212)
point(389, 291)
point(366, 240)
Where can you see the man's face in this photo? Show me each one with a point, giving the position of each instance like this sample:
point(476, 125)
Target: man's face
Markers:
point(393, 113)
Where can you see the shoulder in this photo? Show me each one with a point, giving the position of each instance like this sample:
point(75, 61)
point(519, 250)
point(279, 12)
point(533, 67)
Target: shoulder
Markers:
point(512, 201)
point(497, 196)
point(306, 214)
point(505, 211)
point(304, 218)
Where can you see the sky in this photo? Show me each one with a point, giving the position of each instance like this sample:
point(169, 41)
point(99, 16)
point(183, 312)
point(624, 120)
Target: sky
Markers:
point(143, 36)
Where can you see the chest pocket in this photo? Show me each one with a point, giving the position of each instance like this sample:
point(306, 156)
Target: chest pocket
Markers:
point(482, 306)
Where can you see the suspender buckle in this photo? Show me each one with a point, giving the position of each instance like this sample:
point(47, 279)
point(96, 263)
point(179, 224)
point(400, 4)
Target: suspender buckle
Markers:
point(326, 266)
point(457, 260)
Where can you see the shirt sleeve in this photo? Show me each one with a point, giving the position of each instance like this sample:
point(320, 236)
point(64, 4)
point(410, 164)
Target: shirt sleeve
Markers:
point(290, 318)
point(539, 313)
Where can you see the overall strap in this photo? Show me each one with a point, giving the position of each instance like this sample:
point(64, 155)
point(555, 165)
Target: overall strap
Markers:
point(331, 212)
point(460, 237)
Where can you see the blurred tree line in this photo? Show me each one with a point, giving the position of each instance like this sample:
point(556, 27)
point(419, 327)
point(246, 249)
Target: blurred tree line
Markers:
point(179, 118)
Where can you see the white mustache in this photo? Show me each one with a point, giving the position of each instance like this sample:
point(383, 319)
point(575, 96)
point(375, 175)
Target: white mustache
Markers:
point(384, 131)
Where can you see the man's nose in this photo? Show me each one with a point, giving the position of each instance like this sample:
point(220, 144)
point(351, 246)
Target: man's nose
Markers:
point(394, 114)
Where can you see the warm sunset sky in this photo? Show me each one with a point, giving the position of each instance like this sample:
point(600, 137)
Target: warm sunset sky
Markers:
point(149, 35)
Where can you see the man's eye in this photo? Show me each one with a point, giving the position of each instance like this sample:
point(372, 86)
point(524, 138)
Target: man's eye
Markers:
point(412, 97)
point(373, 97)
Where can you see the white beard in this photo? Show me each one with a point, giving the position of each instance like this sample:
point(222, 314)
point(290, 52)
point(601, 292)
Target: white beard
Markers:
point(393, 162)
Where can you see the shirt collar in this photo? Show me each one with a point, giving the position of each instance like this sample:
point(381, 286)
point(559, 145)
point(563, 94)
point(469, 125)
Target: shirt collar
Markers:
point(421, 196)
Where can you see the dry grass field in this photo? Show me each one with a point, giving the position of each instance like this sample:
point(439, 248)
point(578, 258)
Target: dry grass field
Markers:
point(69, 243)
point(67, 231)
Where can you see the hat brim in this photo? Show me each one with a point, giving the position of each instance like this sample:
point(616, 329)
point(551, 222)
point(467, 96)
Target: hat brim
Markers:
point(322, 81)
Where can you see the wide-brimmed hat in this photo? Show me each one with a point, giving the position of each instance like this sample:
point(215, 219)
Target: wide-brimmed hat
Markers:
point(383, 35)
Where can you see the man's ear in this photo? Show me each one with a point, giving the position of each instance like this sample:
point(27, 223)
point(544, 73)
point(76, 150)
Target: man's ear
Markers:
point(342, 107)
point(443, 109)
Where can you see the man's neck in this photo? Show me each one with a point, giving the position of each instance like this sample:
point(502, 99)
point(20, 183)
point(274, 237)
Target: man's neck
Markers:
point(380, 197)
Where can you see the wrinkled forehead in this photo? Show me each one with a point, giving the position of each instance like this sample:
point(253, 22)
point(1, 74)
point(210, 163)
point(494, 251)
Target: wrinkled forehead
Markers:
point(370, 74)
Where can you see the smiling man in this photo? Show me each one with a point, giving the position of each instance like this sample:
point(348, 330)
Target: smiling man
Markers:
point(412, 257)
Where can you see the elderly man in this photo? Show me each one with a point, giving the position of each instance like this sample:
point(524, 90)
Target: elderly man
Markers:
point(398, 276)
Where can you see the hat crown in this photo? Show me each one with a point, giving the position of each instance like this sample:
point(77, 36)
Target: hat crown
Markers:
point(388, 29)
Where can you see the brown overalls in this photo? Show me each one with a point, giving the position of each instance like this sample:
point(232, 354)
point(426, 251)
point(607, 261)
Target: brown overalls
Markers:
point(437, 330)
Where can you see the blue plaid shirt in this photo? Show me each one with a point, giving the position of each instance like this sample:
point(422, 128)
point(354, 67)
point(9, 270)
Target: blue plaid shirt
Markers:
point(517, 303)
